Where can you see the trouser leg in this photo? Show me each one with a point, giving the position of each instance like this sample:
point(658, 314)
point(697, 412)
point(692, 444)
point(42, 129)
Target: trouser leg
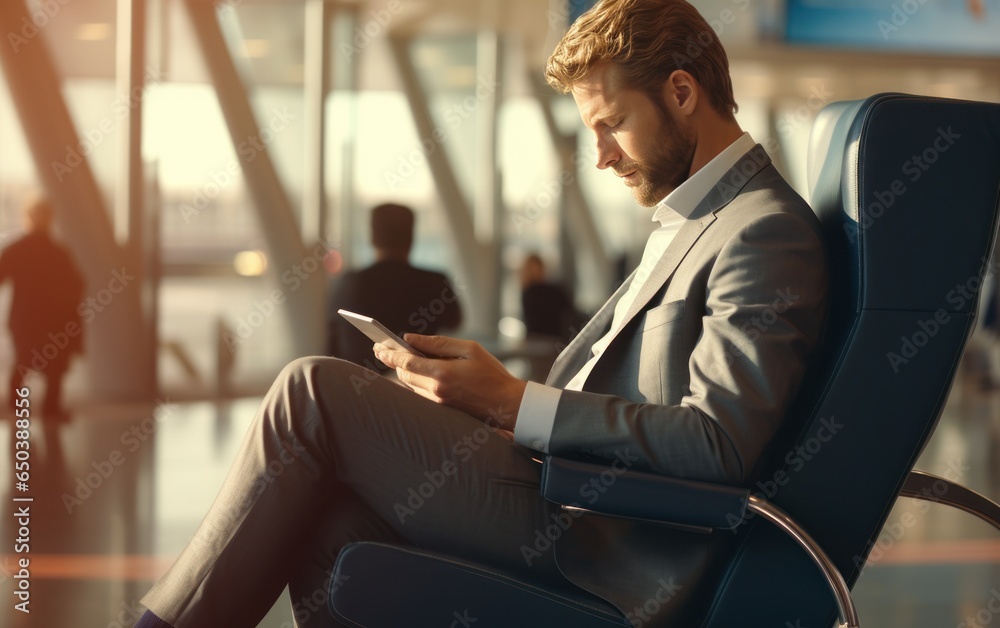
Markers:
point(348, 521)
point(328, 426)
point(54, 375)
point(55, 372)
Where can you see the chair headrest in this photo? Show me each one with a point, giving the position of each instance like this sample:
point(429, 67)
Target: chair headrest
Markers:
point(899, 182)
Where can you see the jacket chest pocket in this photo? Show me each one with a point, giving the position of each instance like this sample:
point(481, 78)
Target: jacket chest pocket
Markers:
point(663, 314)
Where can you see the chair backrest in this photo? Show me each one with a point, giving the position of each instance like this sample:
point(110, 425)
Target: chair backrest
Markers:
point(907, 190)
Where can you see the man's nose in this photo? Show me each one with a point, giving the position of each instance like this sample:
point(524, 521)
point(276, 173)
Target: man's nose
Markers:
point(608, 153)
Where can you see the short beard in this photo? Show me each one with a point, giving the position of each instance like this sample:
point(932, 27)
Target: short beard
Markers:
point(669, 163)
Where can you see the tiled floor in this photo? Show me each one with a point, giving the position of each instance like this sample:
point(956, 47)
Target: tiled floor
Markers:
point(134, 482)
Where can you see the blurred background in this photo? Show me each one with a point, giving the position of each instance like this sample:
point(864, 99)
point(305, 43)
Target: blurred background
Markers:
point(212, 166)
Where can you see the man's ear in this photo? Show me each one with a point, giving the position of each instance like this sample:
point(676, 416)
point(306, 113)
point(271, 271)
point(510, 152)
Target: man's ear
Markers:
point(681, 92)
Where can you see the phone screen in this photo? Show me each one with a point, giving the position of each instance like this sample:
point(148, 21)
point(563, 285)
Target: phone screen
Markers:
point(378, 332)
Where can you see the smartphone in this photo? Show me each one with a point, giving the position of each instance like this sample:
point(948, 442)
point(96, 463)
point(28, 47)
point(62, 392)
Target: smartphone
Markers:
point(378, 332)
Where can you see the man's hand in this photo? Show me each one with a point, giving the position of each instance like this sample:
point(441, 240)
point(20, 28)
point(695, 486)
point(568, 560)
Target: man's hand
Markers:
point(472, 380)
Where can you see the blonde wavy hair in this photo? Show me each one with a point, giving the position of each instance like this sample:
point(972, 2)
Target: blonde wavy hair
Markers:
point(645, 41)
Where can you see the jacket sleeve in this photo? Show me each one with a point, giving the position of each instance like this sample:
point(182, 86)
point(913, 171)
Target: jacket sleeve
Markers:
point(765, 306)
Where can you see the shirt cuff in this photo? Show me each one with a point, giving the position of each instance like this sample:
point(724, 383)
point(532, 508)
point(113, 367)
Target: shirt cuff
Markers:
point(536, 416)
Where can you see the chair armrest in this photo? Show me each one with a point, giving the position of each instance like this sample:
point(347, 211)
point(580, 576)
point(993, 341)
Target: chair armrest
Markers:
point(621, 492)
point(932, 488)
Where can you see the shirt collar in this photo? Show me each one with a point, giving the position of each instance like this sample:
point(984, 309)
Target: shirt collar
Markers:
point(681, 203)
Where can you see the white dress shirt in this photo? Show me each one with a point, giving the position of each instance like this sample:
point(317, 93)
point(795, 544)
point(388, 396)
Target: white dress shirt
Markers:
point(537, 412)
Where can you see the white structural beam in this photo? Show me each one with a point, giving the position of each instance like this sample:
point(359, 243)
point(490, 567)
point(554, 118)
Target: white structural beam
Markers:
point(476, 259)
point(290, 259)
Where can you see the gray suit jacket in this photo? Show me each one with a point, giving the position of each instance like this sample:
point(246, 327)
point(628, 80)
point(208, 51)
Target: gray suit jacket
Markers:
point(696, 383)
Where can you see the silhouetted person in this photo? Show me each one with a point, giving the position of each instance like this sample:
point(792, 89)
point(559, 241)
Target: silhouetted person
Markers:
point(550, 318)
point(43, 315)
point(400, 296)
point(547, 308)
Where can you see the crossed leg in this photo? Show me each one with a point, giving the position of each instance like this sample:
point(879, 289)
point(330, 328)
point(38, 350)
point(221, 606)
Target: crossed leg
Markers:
point(336, 455)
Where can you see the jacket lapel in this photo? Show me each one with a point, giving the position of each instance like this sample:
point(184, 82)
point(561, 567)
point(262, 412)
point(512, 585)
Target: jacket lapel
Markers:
point(576, 354)
point(700, 219)
point(667, 264)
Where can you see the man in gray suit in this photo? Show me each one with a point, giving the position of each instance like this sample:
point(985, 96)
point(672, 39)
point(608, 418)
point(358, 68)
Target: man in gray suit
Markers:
point(687, 370)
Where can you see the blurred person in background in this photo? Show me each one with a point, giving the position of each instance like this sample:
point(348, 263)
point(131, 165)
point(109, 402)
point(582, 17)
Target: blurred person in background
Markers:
point(402, 297)
point(547, 308)
point(44, 321)
point(550, 318)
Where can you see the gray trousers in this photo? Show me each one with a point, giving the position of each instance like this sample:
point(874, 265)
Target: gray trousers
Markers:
point(337, 455)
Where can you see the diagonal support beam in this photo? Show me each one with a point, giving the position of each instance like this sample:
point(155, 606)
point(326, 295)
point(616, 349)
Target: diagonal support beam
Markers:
point(114, 325)
point(288, 253)
point(475, 257)
point(583, 230)
point(65, 173)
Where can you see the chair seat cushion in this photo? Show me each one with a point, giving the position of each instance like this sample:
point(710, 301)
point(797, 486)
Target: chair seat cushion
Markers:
point(385, 586)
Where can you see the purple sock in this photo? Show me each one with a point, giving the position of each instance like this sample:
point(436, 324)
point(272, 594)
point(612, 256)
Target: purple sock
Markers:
point(149, 620)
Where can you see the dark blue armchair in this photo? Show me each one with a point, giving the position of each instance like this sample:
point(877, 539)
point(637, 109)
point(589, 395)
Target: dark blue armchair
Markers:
point(907, 190)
